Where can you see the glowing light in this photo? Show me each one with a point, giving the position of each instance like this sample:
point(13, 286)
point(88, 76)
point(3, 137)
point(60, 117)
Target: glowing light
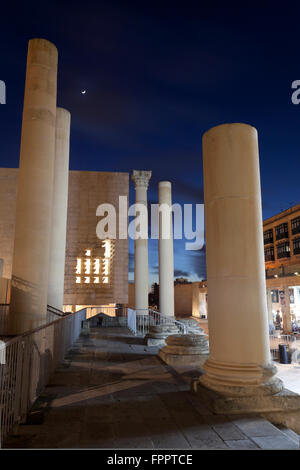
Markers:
point(78, 266)
point(105, 280)
point(78, 280)
point(83, 92)
point(87, 252)
point(96, 280)
point(87, 280)
point(97, 266)
point(87, 266)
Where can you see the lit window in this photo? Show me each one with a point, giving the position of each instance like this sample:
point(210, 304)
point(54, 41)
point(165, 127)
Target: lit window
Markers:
point(87, 280)
point(105, 280)
point(96, 280)
point(97, 266)
point(87, 252)
point(78, 266)
point(78, 280)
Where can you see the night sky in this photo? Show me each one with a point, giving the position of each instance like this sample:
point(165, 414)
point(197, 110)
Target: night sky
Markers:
point(158, 75)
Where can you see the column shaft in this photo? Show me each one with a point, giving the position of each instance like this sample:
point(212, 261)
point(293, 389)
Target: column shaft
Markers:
point(166, 256)
point(141, 287)
point(35, 189)
point(239, 360)
point(59, 209)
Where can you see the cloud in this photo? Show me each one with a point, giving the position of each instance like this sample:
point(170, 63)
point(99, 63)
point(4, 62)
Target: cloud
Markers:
point(180, 273)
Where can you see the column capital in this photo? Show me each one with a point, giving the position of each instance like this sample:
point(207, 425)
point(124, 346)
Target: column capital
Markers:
point(141, 178)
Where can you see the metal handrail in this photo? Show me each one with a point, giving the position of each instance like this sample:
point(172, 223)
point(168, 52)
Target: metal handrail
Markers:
point(30, 360)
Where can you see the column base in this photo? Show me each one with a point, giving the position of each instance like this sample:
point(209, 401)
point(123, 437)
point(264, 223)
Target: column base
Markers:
point(185, 350)
point(158, 333)
point(233, 379)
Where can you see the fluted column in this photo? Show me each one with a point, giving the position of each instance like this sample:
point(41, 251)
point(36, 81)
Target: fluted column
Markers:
point(59, 210)
point(141, 180)
point(239, 363)
point(35, 189)
point(166, 256)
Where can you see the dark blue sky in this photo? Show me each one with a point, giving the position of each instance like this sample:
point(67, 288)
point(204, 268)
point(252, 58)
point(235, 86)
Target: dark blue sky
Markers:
point(157, 77)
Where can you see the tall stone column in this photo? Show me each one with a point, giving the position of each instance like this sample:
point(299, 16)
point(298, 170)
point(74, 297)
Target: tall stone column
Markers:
point(166, 256)
point(239, 363)
point(286, 313)
point(35, 190)
point(141, 180)
point(59, 209)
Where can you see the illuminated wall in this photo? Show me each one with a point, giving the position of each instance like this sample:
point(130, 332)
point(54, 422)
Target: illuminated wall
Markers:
point(103, 265)
point(96, 270)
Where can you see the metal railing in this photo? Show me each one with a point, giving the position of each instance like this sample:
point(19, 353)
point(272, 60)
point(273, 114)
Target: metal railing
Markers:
point(29, 361)
point(275, 340)
point(140, 321)
point(4, 313)
point(110, 316)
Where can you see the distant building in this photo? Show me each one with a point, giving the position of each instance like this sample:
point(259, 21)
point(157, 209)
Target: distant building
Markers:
point(282, 262)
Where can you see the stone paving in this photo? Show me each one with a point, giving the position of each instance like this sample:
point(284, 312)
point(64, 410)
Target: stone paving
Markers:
point(114, 392)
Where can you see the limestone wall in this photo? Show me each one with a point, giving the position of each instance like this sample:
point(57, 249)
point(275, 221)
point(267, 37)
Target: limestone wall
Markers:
point(87, 190)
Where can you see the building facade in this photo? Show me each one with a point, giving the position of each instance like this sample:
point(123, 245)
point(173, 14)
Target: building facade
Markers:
point(282, 263)
point(96, 271)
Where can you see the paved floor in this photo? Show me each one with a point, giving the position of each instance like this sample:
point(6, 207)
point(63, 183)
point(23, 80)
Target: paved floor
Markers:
point(290, 375)
point(114, 392)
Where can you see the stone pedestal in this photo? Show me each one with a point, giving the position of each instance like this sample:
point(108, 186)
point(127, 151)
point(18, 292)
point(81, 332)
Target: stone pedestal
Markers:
point(185, 350)
point(35, 190)
point(158, 333)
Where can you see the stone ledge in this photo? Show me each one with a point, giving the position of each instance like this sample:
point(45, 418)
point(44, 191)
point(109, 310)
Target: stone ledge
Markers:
point(280, 408)
point(183, 359)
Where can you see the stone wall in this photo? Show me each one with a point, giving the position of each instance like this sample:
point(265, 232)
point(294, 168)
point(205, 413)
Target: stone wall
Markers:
point(87, 189)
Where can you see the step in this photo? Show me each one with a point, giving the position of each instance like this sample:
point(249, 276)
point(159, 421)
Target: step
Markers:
point(290, 434)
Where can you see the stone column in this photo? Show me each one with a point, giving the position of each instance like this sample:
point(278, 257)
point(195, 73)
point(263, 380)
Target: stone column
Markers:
point(141, 288)
point(239, 363)
point(35, 190)
point(59, 209)
point(166, 260)
point(286, 313)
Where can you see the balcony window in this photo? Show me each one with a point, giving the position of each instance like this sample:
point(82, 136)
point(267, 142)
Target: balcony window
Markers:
point(282, 231)
point(268, 236)
point(269, 254)
point(296, 246)
point(295, 225)
point(283, 250)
